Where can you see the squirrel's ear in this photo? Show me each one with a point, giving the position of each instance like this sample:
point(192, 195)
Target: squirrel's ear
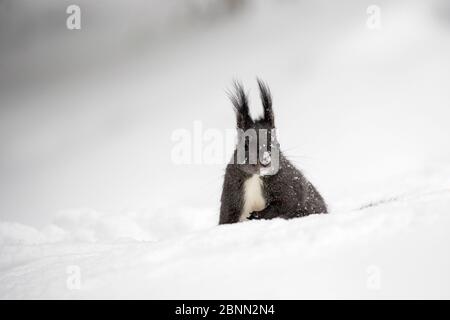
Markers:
point(266, 99)
point(240, 104)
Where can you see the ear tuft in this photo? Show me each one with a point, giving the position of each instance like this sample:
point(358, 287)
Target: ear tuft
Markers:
point(239, 100)
point(266, 99)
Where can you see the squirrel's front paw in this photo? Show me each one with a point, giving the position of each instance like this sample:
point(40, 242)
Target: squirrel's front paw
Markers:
point(254, 216)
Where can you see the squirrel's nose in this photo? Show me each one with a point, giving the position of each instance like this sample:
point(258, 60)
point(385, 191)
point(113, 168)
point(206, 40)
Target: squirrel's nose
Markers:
point(266, 159)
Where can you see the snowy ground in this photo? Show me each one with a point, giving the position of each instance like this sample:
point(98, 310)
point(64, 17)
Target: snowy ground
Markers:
point(89, 196)
point(394, 248)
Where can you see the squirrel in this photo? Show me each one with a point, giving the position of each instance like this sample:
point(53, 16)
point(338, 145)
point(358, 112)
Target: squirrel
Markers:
point(260, 183)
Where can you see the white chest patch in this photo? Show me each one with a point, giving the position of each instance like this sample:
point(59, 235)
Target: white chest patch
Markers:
point(253, 197)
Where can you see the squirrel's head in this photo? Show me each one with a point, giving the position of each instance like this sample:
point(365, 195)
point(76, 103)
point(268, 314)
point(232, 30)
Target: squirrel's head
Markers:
point(257, 150)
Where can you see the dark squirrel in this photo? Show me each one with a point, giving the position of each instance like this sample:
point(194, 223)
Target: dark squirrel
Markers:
point(260, 183)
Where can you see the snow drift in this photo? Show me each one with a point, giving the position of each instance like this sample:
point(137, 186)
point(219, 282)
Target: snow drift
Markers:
point(392, 247)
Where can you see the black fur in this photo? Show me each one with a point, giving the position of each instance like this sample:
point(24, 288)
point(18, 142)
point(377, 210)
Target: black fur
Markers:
point(240, 103)
point(288, 193)
point(266, 99)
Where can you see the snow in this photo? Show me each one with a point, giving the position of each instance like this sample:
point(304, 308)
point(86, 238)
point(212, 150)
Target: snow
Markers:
point(402, 242)
point(89, 209)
